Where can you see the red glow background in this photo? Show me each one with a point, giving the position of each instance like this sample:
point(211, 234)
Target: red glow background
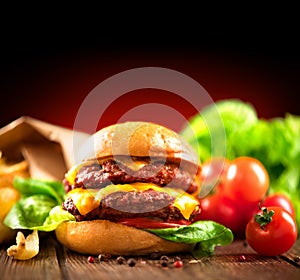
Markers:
point(49, 82)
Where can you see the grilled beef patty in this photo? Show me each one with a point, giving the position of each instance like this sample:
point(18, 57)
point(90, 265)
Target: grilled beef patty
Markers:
point(120, 205)
point(110, 172)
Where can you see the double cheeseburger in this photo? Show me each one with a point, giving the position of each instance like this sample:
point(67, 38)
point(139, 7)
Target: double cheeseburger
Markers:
point(138, 176)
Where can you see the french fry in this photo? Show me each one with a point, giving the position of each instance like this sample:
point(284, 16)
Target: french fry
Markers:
point(8, 194)
point(26, 248)
point(12, 168)
point(8, 197)
point(9, 171)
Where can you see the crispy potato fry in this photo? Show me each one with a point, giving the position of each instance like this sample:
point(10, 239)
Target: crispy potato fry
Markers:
point(8, 171)
point(12, 168)
point(8, 194)
point(8, 197)
point(26, 248)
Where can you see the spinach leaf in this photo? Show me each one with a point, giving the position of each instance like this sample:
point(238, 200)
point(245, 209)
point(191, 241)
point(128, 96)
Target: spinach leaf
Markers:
point(205, 234)
point(37, 207)
point(29, 212)
point(29, 186)
point(56, 216)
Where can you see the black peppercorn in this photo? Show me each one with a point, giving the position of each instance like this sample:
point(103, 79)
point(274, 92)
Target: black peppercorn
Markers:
point(164, 263)
point(131, 262)
point(101, 257)
point(120, 260)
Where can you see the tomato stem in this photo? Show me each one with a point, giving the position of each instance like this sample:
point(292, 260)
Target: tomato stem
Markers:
point(264, 218)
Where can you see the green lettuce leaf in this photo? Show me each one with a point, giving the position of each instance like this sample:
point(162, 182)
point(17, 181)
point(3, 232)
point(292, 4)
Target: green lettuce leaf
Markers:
point(56, 216)
point(29, 186)
point(37, 207)
point(236, 117)
point(205, 234)
point(29, 212)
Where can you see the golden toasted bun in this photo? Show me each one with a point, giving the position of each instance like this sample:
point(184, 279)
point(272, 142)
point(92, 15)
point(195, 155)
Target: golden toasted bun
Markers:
point(140, 139)
point(105, 237)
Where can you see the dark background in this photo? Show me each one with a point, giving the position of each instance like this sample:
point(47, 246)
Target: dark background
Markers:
point(47, 71)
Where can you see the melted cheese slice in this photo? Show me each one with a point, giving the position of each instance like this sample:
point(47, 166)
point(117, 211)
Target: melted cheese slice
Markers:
point(87, 200)
point(71, 174)
point(84, 199)
point(134, 165)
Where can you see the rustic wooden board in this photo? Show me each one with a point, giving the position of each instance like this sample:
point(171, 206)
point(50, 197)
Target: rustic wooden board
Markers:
point(56, 262)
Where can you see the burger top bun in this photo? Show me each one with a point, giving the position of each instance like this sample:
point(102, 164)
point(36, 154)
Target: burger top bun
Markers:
point(105, 237)
point(140, 139)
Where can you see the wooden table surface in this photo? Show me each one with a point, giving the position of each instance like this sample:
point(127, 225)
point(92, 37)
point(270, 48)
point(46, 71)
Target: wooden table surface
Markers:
point(235, 261)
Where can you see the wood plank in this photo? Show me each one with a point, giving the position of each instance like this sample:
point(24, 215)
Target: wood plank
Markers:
point(56, 262)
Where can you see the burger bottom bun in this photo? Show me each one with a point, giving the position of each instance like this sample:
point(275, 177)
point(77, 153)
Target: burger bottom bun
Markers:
point(105, 237)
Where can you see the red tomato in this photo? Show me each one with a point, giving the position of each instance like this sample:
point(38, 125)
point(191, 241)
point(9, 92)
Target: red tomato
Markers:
point(225, 205)
point(222, 210)
point(213, 172)
point(230, 216)
point(280, 200)
point(151, 223)
point(246, 180)
point(245, 211)
point(249, 209)
point(209, 206)
point(271, 235)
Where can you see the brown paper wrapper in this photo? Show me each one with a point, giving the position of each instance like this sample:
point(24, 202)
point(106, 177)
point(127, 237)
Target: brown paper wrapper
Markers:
point(47, 148)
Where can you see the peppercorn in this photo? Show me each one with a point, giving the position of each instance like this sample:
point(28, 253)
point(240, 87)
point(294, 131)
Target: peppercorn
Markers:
point(178, 264)
point(131, 262)
point(242, 258)
point(164, 263)
point(101, 257)
point(120, 260)
point(90, 259)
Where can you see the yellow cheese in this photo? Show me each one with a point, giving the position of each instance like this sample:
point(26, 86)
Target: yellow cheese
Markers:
point(186, 204)
point(84, 199)
point(71, 174)
point(133, 164)
point(87, 200)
